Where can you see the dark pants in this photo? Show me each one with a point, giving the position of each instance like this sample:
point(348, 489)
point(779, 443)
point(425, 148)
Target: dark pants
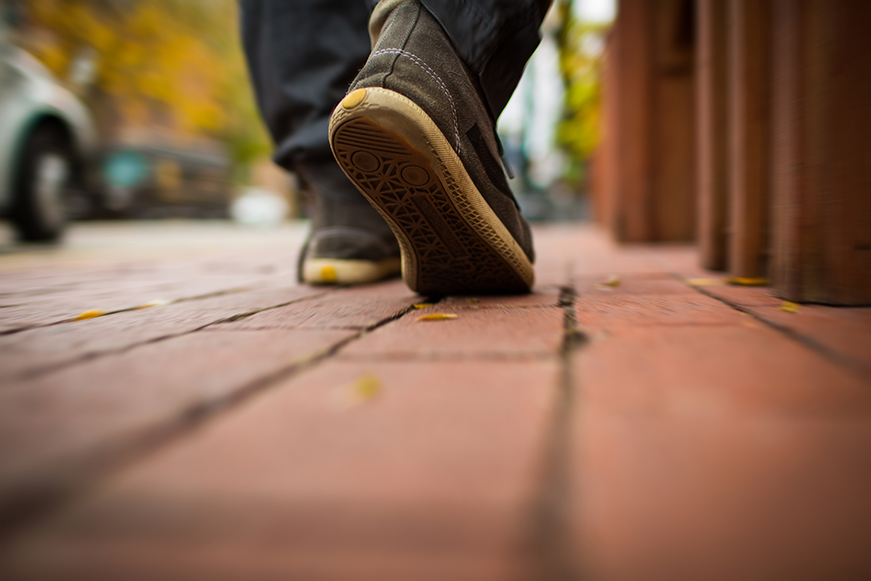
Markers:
point(303, 55)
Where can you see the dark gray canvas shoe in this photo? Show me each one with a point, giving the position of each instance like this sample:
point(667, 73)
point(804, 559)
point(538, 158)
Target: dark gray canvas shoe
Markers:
point(350, 243)
point(415, 137)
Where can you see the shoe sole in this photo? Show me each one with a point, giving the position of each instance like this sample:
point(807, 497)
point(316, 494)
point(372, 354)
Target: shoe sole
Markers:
point(348, 272)
point(450, 239)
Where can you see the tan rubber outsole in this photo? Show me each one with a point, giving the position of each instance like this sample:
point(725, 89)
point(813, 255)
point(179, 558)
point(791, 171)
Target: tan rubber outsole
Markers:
point(451, 240)
point(348, 272)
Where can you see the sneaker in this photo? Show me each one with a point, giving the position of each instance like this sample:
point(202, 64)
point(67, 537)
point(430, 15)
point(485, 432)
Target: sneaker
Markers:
point(416, 138)
point(349, 243)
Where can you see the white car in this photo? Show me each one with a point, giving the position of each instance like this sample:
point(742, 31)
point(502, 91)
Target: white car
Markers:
point(46, 139)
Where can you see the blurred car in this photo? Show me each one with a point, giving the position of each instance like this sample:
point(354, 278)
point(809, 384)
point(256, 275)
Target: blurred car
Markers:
point(161, 181)
point(47, 137)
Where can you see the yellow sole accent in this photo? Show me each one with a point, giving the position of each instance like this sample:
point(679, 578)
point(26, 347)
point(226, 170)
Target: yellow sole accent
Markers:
point(353, 99)
point(338, 271)
point(328, 273)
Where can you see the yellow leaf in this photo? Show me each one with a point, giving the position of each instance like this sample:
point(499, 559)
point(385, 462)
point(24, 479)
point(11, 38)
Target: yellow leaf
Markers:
point(367, 387)
point(789, 307)
point(611, 281)
point(473, 300)
point(704, 281)
point(747, 281)
point(92, 314)
point(421, 305)
point(436, 317)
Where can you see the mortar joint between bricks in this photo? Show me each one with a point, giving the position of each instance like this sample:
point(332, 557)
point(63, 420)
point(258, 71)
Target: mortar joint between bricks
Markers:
point(551, 555)
point(573, 336)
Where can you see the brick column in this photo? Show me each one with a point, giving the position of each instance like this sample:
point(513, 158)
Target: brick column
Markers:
point(749, 113)
point(652, 127)
point(822, 151)
point(632, 72)
point(605, 168)
point(711, 137)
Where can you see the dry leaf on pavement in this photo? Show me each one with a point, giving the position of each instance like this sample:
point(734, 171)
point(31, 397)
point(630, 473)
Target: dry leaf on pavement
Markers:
point(747, 281)
point(436, 317)
point(92, 314)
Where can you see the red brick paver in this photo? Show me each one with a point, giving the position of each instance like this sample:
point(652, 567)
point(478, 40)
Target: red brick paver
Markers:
point(309, 480)
point(257, 429)
point(52, 423)
point(36, 350)
point(843, 333)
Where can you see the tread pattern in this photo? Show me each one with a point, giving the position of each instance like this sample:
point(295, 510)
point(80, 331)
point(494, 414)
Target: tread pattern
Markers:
point(450, 251)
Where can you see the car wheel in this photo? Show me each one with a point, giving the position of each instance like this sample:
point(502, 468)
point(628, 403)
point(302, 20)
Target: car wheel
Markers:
point(43, 187)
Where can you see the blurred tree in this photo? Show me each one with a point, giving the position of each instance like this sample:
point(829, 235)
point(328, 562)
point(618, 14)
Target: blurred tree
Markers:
point(169, 64)
point(580, 45)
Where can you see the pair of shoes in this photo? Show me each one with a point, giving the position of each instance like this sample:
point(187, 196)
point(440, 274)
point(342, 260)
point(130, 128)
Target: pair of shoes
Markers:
point(415, 137)
point(349, 242)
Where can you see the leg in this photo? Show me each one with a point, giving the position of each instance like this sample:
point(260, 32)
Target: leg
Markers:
point(494, 38)
point(417, 136)
point(298, 75)
point(302, 56)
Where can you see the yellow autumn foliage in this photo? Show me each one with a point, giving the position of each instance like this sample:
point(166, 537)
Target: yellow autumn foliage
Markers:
point(579, 132)
point(175, 64)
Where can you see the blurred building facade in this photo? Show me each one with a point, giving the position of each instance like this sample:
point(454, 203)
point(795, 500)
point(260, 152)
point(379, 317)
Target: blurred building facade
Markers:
point(744, 125)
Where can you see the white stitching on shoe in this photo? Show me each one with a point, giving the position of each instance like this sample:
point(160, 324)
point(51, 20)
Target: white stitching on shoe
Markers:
point(417, 60)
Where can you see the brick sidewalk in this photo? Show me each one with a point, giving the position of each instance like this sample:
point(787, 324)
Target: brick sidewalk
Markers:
point(252, 428)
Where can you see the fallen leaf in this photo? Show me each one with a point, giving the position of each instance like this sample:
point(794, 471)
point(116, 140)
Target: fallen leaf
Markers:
point(347, 396)
point(747, 281)
point(611, 281)
point(704, 281)
point(92, 314)
point(436, 317)
point(473, 300)
point(421, 305)
point(789, 307)
point(367, 387)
